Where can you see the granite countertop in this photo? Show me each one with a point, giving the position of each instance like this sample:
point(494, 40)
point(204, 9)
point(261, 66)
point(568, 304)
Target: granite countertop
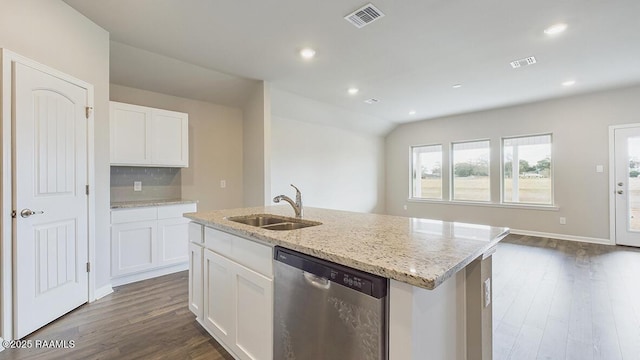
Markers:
point(145, 203)
point(419, 252)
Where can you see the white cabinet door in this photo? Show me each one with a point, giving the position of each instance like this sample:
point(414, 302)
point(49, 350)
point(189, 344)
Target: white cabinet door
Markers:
point(238, 306)
point(196, 297)
point(144, 136)
point(129, 126)
point(169, 138)
point(133, 247)
point(253, 314)
point(219, 296)
point(173, 241)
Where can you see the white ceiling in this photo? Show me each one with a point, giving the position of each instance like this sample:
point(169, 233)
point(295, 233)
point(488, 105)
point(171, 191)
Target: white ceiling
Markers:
point(146, 70)
point(408, 59)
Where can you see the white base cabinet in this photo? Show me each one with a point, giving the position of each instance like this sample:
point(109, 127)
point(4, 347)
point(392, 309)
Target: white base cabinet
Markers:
point(253, 314)
point(172, 241)
point(196, 298)
point(237, 293)
point(148, 242)
point(133, 247)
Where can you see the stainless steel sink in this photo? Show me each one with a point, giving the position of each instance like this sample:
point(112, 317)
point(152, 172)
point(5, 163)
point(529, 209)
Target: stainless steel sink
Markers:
point(288, 226)
point(258, 221)
point(273, 222)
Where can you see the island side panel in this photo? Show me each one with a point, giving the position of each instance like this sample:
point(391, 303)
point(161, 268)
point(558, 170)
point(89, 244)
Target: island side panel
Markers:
point(427, 323)
point(479, 308)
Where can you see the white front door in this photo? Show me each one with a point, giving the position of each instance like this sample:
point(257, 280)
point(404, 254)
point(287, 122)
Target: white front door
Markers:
point(627, 185)
point(49, 175)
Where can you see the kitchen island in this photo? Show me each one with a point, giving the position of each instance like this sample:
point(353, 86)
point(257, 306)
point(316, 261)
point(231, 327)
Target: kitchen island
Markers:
point(439, 289)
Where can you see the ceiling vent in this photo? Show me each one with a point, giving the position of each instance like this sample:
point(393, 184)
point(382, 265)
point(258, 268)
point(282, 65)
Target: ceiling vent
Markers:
point(371, 101)
point(364, 16)
point(523, 62)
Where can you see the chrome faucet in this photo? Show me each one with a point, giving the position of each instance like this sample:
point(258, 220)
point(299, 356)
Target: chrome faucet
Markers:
point(297, 205)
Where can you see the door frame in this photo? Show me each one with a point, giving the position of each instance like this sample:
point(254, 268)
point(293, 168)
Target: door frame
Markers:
point(612, 178)
point(8, 58)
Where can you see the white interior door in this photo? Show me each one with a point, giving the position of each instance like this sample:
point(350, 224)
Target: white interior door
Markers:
point(49, 177)
point(627, 185)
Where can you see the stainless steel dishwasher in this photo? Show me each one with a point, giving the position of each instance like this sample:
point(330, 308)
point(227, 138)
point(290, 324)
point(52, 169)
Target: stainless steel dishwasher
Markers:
point(327, 311)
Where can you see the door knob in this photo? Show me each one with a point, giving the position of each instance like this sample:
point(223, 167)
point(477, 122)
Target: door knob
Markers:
point(25, 213)
point(619, 192)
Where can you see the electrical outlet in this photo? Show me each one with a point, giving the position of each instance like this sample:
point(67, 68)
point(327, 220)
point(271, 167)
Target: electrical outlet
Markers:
point(223, 184)
point(563, 220)
point(487, 292)
point(405, 207)
point(137, 186)
point(599, 168)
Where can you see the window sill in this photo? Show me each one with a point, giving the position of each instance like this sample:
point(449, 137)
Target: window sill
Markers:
point(487, 204)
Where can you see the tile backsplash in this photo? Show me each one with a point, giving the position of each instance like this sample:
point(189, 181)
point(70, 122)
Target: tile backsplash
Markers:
point(157, 183)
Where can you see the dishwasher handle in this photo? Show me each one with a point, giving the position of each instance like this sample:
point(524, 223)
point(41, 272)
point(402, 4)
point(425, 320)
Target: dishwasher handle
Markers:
point(316, 281)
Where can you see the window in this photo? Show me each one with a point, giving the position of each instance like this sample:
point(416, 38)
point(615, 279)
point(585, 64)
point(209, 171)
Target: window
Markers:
point(527, 170)
point(471, 171)
point(427, 172)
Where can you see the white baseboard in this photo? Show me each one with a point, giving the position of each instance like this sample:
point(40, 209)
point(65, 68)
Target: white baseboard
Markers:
point(103, 291)
point(563, 237)
point(127, 279)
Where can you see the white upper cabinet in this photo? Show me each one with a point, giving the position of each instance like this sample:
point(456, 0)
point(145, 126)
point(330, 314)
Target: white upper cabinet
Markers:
point(130, 129)
point(144, 136)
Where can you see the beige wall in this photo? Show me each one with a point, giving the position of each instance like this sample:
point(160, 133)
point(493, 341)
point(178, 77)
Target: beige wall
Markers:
point(580, 142)
point(334, 168)
point(54, 34)
point(256, 139)
point(215, 146)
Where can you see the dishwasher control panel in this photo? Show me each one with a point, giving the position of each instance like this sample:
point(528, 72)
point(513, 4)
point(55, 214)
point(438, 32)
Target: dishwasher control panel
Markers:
point(360, 281)
point(350, 280)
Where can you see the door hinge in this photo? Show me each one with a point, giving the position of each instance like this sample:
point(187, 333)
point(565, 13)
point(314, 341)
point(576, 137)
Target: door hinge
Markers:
point(86, 189)
point(88, 267)
point(13, 214)
point(88, 110)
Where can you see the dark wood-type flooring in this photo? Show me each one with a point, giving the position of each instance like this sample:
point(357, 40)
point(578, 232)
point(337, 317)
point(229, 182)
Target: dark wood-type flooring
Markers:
point(558, 299)
point(553, 299)
point(144, 320)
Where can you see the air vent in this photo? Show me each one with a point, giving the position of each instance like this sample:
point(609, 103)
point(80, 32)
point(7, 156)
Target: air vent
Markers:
point(523, 62)
point(364, 16)
point(371, 101)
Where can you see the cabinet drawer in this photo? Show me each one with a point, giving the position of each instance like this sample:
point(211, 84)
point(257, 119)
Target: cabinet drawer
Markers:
point(246, 252)
point(196, 233)
point(218, 241)
point(175, 211)
point(253, 255)
point(132, 215)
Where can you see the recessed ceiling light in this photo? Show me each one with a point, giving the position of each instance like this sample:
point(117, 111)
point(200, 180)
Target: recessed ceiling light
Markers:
point(412, 112)
point(568, 83)
point(555, 29)
point(353, 91)
point(457, 86)
point(307, 53)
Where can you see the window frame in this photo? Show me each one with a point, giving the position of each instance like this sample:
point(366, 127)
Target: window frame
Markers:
point(452, 172)
point(551, 173)
point(411, 173)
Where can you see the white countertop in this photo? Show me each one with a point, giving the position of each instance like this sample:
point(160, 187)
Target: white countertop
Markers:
point(419, 252)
